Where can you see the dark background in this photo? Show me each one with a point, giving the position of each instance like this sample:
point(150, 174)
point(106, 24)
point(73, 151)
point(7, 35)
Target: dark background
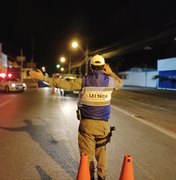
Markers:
point(127, 26)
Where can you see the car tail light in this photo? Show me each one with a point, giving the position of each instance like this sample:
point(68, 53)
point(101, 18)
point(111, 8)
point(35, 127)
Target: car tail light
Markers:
point(9, 75)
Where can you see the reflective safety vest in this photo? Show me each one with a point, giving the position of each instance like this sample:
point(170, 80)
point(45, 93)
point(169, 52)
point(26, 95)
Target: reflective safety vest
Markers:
point(95, 96)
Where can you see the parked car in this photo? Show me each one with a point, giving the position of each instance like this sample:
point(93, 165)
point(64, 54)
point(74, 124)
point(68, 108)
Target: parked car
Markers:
point(65, 92)
point(42, 84)
point(9, 84)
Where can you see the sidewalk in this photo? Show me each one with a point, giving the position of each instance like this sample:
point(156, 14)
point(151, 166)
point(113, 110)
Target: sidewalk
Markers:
point(162, 99)
point(158, 107)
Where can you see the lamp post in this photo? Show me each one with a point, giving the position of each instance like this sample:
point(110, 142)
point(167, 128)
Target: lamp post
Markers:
point(85, 52)
point(21, 59)
point(75, 45)
point(69, 65)
point(87, 58)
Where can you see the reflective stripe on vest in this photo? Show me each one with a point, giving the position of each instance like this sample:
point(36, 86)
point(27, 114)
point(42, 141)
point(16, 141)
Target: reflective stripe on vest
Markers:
point(96, 96)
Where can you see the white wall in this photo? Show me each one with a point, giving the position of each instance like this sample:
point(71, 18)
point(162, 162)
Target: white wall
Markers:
point(166, 64)
point(150, 81)
point(143, 79)
point(3, 62)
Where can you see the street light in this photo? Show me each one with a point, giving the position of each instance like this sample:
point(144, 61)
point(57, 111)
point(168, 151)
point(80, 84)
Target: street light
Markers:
point(74, 44)
point(58, 66)
point(62, 69)
point(63, 59)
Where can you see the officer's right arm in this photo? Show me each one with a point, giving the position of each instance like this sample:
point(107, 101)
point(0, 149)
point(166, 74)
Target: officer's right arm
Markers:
point(75, 84)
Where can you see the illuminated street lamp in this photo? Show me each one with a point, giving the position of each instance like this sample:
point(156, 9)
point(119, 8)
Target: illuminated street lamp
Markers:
point(63, 59)
point(58, 66)
point(74, 44)
point(62, 69)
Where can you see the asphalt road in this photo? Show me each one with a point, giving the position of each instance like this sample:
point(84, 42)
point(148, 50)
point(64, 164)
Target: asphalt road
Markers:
point(38, 133)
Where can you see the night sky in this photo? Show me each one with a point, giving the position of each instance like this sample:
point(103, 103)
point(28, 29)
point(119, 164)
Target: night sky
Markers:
point(49, 26)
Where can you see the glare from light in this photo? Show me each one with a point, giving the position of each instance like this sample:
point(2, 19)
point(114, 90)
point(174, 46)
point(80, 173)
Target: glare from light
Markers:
point(58, 65)
point(9, 75)
point(62, 69)
point(3, 75)
point(74, 44)
point(13, 85)
point(43, 69)
point(62, 59)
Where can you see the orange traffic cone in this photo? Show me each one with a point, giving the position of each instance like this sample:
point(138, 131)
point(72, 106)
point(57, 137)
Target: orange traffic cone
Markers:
point(127, 169)
point(36, 86)
point(83, 172)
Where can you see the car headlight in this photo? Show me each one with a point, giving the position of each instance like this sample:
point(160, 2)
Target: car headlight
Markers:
point(13, 85)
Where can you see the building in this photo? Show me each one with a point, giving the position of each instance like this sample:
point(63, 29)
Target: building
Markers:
point(141, 77)
point(167, 74)
point(162, 78)
point(3, 61)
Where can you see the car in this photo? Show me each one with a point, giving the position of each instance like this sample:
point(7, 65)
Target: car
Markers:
point(42, 84)
point(65, 92)
point(10, 84)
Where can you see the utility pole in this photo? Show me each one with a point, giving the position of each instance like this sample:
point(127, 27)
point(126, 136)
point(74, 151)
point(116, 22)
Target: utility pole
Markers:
point(32, 49)
point(21, 59)
point(87, 57)
point(69, 65)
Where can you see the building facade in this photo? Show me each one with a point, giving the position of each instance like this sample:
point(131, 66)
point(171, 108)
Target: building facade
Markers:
point(167, 74)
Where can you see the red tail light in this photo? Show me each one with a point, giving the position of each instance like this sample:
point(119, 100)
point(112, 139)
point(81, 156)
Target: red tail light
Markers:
point(9, 75)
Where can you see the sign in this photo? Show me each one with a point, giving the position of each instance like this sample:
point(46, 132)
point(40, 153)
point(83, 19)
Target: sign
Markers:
point(21, 58)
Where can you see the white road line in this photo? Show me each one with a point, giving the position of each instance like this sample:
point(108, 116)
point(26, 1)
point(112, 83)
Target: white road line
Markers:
point(155, 126)
point(6, 102)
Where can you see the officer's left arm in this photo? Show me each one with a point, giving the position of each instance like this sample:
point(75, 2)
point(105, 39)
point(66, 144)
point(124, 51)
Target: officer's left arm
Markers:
point(118, 82)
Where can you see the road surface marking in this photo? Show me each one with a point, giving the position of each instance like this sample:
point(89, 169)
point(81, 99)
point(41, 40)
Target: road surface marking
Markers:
point(155, 126)
point(6, 102)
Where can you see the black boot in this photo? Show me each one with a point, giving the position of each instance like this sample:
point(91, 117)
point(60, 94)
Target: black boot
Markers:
point(92, 178)
point(92, 170)
point(100, 178)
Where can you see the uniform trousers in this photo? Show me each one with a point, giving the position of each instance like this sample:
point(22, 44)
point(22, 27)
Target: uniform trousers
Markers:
point(89, 131)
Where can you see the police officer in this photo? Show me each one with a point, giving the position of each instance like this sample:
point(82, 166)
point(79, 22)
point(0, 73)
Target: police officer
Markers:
point(93, 110)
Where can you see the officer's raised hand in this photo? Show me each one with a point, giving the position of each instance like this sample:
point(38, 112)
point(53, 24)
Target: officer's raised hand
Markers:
point(107, 70)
